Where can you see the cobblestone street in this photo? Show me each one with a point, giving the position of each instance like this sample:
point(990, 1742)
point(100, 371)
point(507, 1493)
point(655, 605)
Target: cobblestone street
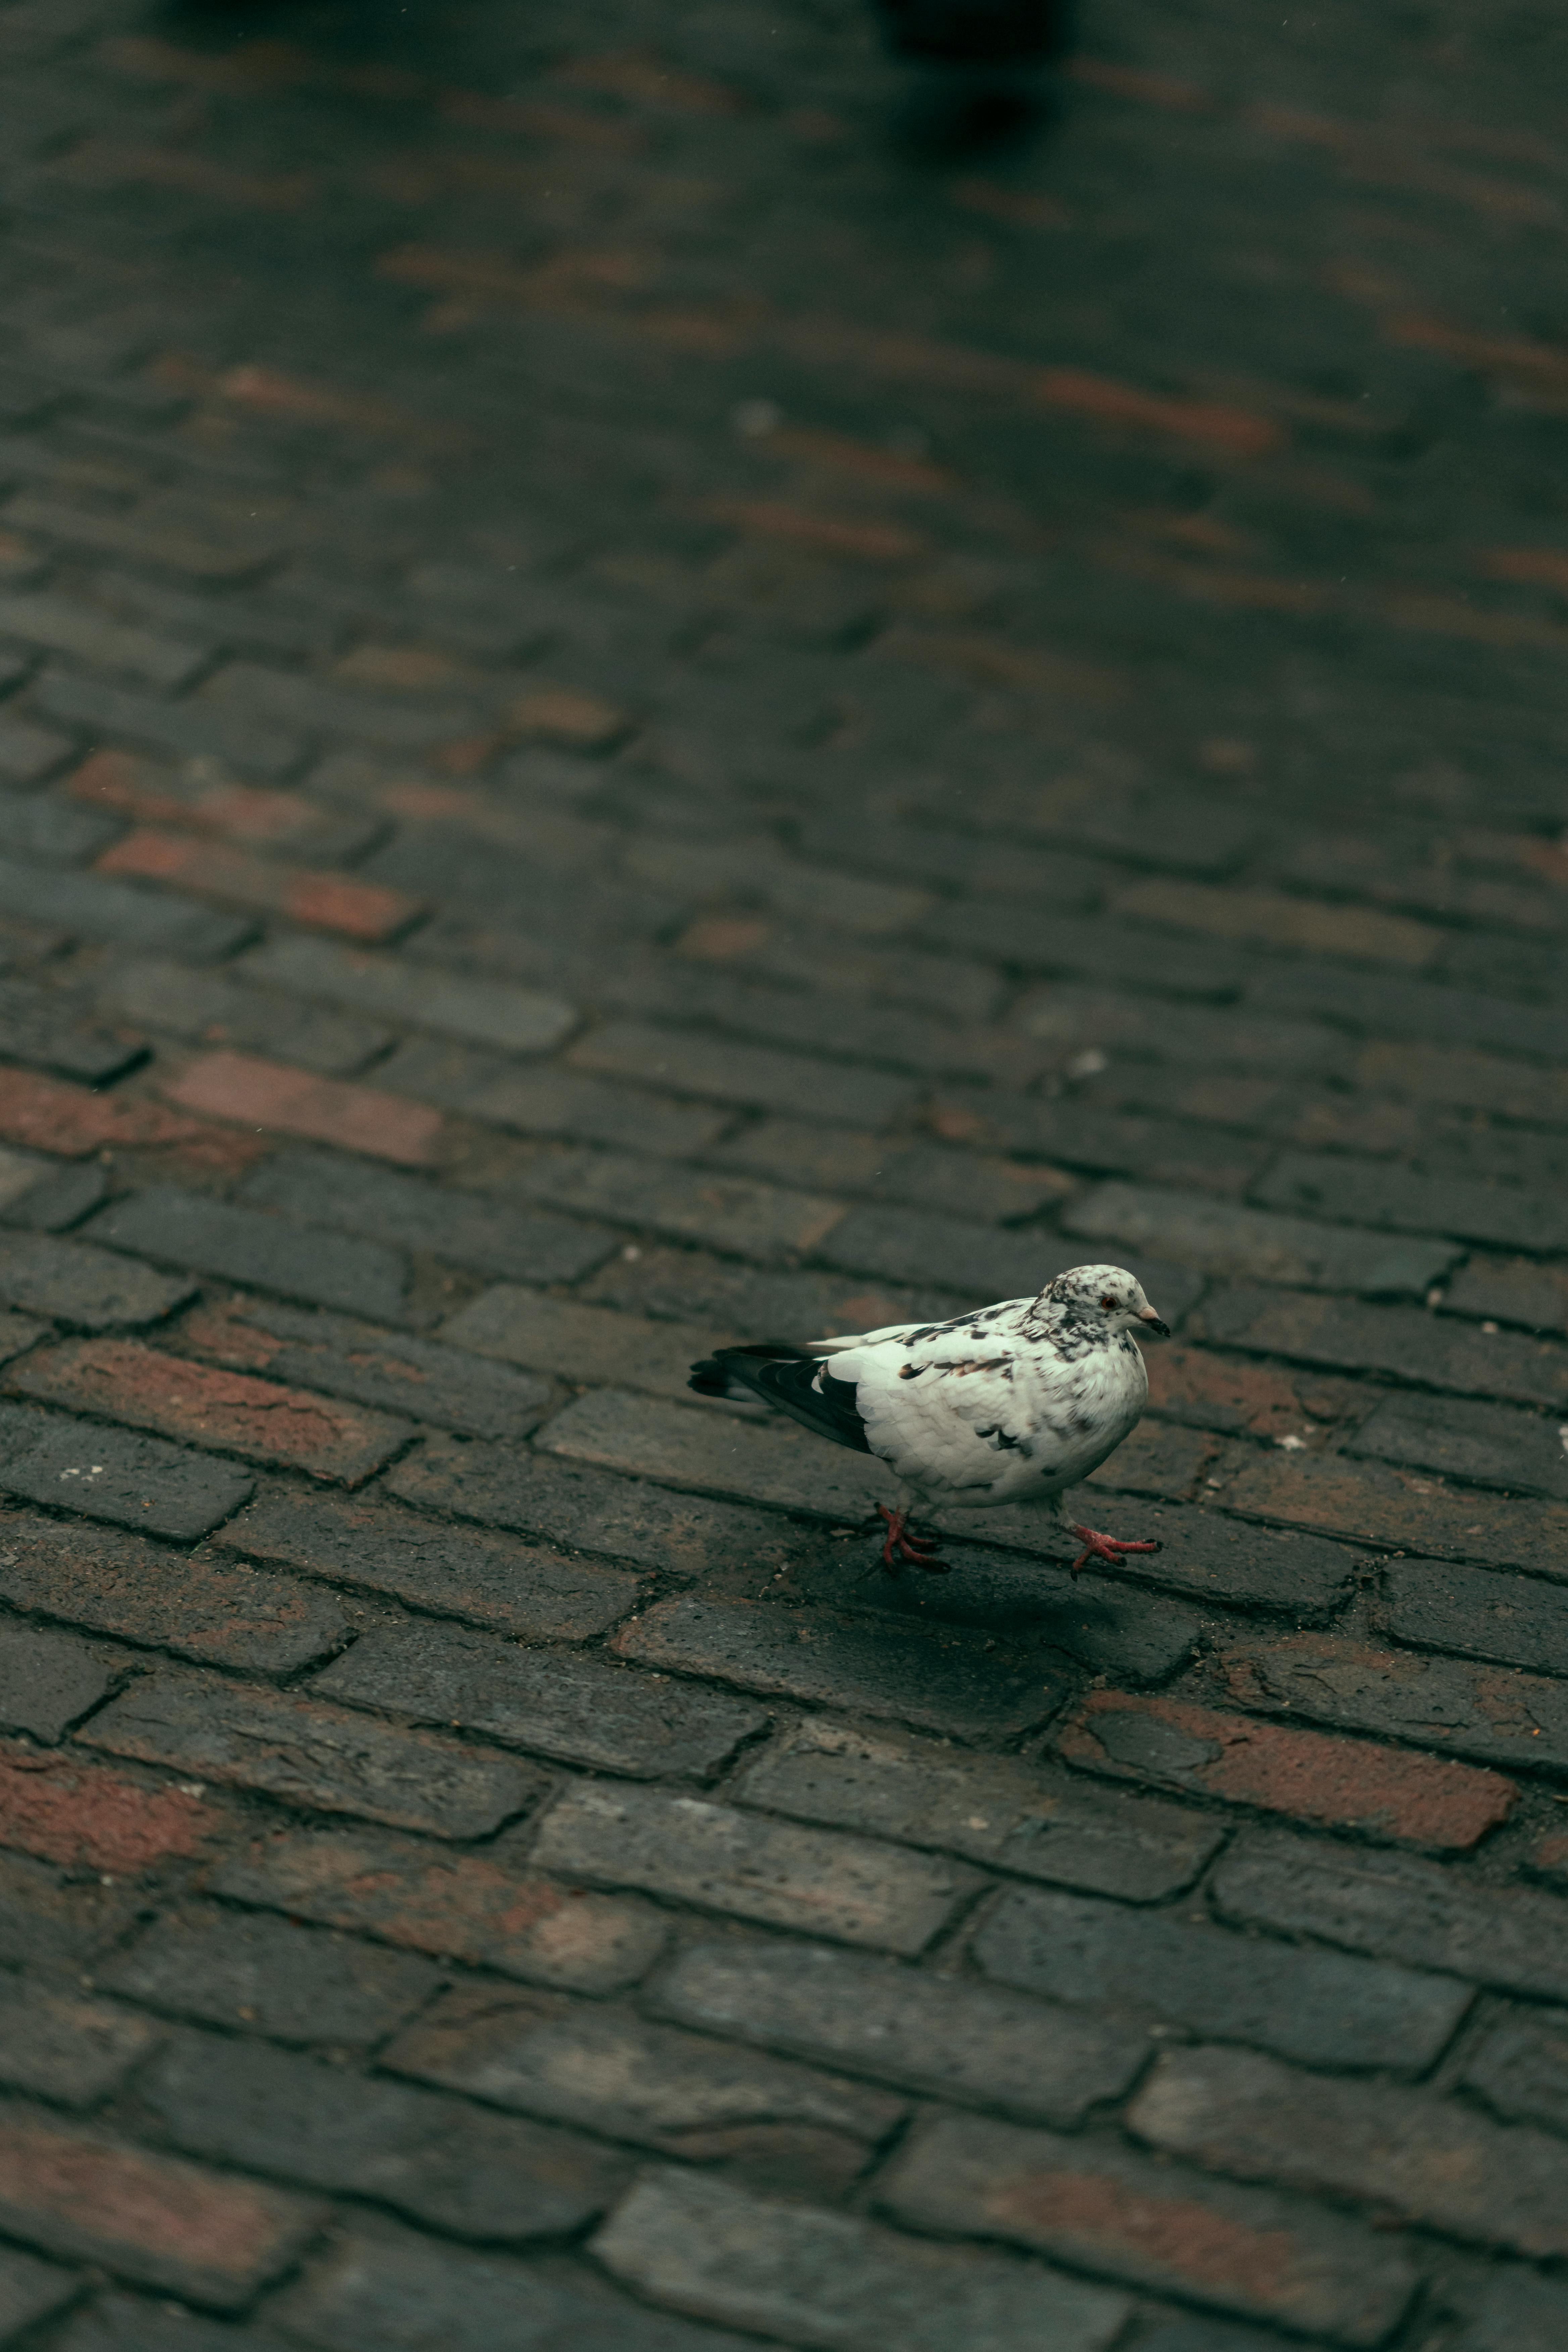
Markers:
point(643, 702)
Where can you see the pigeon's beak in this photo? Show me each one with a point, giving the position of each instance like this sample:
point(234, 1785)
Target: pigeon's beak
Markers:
point(1161, 1330)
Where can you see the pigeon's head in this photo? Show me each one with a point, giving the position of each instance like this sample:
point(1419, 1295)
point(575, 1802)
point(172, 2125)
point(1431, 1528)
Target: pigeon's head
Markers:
point(1108, 1294)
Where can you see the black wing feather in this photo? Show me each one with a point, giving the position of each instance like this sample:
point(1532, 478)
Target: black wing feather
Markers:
point(801, 1386)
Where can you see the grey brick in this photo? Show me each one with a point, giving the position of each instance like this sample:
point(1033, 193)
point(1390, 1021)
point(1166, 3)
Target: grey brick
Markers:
point(1511, 1290)
point(435, 2159)
point(116, 1474)
point(942, 2039)
point(1485, 1444)
point(684, 1062)
point(322, 1758)
point(405, 2295)
point(464, 1228)
point(90, 1289)
point(1516, 1621)
point(1517, 1720)
point(20, 1173)
point(31, 2290)
point(939, 1678)
point(1031, 1820)
point(1221, 1238)
point(1433, 1352)
point(963, 861)
point(771, 1462)
point(18, 1334)
point(1424, 2158)
point(1521, 2067)
point(53, 831)
point(30, 753)
point(1370, 1193)
point(45, 1032)
point(906, 1244)
point(144, 538)
point(687, 1286)
point(579, 1709)
point(102, 910)
point(207, 1008)
point(1095, 2205)
point(588, 1510)
point(1075, 1133)
point(61, 1198)
point(1323, 2008)
point(1087, 948)
point(847, 1888)
point(981, 1189)
point(1069, 1018)
point(245, 693)
point(825, 2278)
point(249, 745)
point(618, 2076)
point(1399, 1908)
point(726, 1212)
point(586, 1345)
point(1518, 2312)
point(555, 1102)
point(1406, 1008)
point(190, 1229)
point(455, 1572)
point(47, 1681)
point(121, 2323)
point(58, 2046)
point(486, 1012)
point(330, 1353)
point(292, 1983)
point(62, 625)
point(48, 1921)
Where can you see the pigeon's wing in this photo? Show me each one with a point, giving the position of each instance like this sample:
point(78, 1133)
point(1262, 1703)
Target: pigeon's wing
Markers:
point(948, 1411)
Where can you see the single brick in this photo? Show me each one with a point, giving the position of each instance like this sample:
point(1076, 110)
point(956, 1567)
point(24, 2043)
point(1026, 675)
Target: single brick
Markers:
point(586, 1345)
point(1068, 1019)
point(487, 1909)
point(1511, 1290)
point(488, 1012)
point(47, 1117)
point(904, 1244)
point(689, 1286)
point(618, 2076)
point(774, 1462)
point(1521, 2068)
point(145, 539)
point(943, 2040)
point(107, 1473)
point(1323, 2008)
point(1502, 1715)
point(1227, 1393)
point(942, 1679)
point(47, 1681)
point(466, 1229)
point(191, 1230)
point(589, 1510)
point(218, 1615)
point(1519, 2311)
point(30, 2290)
point(1425, 2159)
point(1430, 1350)
point(268, 1098)
point(691, 1851)
point(726, 1212)
point(61, 1198)
point(57, 1923)
point(1406, 1008)
point(1372, 1192)
point(18, 1334)
point(322, 1758)
point(146, 2217)
point(1513, 1621)
point(273, 1976)
point(82, 1817)
point(252, 692)
point(1033, 1822)
point(370, 2291)
point(1157, 2225)
point(100, 909)
point(1429, 1801)
point(1485, 1444)
point(200, 795)
point(1398, 1909)
point(46, 1031)
point(63, 626)
point(206, 1008)
point(1398, 1509)
point(1085, 947)
point(1158, 1460)
point(277, 1426)
point(703, 2247)
point(582, 1710)
point(684, 1062)
point(1220, 1238)
point(434, 2159)
point(553, 1101)
point(1276, 918)
point(512, 1586)
point(28, 753)
point(319, 898)
point(983, 1190)
point(58, 2046)
point(75, 1283)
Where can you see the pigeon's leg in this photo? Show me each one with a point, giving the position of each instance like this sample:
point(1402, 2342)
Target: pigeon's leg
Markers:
point(1099, 1547)
point(914, 1548)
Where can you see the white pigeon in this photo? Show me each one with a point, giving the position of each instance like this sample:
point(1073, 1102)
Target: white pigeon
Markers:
point(1012, 1403)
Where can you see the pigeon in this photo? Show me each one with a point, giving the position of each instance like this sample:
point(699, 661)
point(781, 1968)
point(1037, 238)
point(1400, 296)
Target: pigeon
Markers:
point(1011, 1403)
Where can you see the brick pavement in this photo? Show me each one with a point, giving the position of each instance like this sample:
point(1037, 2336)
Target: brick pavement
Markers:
point(631, 714)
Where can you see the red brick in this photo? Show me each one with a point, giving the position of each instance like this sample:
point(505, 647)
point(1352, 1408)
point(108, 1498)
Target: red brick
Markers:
point(1223, 1393)
point(271, 1097)
point(1403, 1510)
point(889, 468)
point(286, 1428)
point(156, 794)
point(208, 2235)
point(557, 714)
point(1107, 401)
point(323, 902)
point(85, 1818)
point(46, 1115)
point(869, 543)
point(1535, 567)
point(1310, 1775)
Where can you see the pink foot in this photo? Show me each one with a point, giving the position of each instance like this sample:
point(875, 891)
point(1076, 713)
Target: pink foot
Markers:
point(1106, 1547)
point(916, 1549)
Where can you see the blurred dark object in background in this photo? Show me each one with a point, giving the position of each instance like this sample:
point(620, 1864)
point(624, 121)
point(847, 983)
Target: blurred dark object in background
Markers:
point(978, 31)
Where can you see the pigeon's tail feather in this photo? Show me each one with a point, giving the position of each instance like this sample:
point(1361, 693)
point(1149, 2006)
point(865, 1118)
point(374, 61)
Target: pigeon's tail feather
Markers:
point(790, 1379)
point(730, 1371)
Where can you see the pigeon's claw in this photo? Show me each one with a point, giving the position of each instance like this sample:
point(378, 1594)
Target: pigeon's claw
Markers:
point(899, 1546)
point(1106, 1547)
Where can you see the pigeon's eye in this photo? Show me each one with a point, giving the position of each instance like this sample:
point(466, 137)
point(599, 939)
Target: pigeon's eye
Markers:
point(1108, 1303)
